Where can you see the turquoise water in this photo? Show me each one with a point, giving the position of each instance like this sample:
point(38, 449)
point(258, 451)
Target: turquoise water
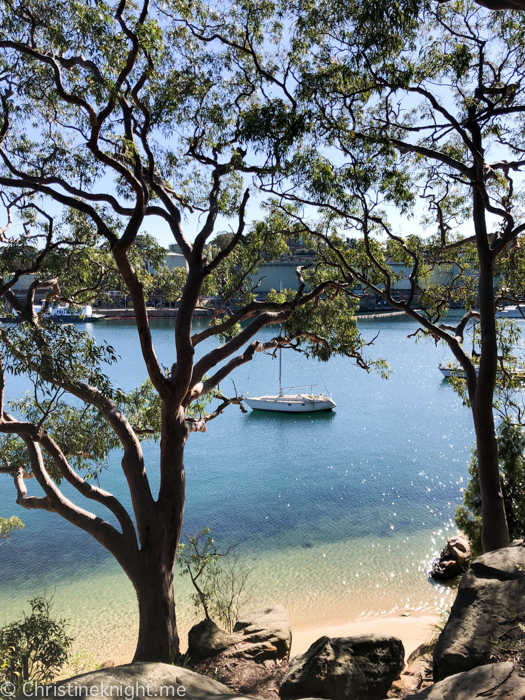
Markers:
point(339, 513)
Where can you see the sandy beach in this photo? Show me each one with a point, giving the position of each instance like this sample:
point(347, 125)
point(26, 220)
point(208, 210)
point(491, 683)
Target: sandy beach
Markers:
point(412, 631)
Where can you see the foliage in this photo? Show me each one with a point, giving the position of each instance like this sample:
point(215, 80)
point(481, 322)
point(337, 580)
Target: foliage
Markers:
point(428, 127)
point(84, 436)
point(435, 628)
point(508, 390)
point(119, 118)
point(220, 578)
point(222, 240)
point(8, 526)
point(511, 449)
point(229, 581)
point(34, 649)
point(82, 433)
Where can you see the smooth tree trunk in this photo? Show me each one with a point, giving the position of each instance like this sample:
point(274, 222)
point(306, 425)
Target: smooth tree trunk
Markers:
point(495, 533)
point(158, 638)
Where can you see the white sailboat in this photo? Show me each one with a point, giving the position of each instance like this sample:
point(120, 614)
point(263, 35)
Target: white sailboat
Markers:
point(451, 370)
point(291, 403)
point(511, 312)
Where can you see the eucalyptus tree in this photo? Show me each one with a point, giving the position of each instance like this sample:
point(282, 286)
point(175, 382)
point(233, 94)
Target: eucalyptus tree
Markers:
point(433, 130)
point(116, 117)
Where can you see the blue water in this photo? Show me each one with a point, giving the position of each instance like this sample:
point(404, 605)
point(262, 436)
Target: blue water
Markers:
point(340, 512)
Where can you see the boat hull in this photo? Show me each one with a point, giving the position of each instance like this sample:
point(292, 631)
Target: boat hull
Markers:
point(459, 372)
point(449, 372)
point(291, 404)
point(511, 312)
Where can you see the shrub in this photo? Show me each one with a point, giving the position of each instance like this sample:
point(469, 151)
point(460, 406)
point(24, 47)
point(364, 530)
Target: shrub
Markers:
point(220, 583)
point(228, 581)
point(33, 649)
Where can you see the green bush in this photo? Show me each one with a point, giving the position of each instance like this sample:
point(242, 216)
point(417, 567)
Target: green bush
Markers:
point(33, 649)
point(511, 448)
point(7, 526)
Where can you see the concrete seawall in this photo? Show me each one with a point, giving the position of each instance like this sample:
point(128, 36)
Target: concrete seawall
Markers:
point(115, 314)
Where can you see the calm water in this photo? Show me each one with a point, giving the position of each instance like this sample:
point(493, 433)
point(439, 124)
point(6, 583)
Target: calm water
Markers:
point(339, 513)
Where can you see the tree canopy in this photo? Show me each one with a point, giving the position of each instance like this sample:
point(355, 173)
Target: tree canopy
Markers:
point(119, 117)
point(428, 125)
point(115, 116)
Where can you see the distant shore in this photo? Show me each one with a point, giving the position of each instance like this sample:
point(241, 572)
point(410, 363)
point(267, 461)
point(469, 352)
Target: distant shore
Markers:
point(378, 314)
point(115, 314)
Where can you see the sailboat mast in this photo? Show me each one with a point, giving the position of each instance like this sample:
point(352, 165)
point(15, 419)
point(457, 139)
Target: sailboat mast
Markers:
point(280, 354)
point(280, 370)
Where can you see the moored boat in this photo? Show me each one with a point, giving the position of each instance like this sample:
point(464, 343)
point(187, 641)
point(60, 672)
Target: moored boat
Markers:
point(63, 314)
point(511, 312)
point(451, 370)
point(292, 403)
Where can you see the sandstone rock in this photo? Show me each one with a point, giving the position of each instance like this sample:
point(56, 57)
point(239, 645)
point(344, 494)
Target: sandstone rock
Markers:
point(252, 659)
point(453, 560)
point(489, 593)
point(206, 639)
point(361, 668)
point(421, 650)
point(494, 681)
point(416, 675)
point(269, 626)
point(260, 635)
point(142, 680)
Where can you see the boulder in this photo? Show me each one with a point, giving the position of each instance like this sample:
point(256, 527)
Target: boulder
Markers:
point(267, 626)
point(453, 560)
point(416, 675)
point(491, 595)
point(422, 650)
point(361, 668)
point(495, 681)
point(206, 639)
point(140, 680)
point(261, 635)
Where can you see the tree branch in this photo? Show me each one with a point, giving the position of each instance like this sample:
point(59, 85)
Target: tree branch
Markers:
point(404, 147)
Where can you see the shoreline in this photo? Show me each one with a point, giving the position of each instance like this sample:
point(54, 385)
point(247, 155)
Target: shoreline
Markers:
point(413, 630)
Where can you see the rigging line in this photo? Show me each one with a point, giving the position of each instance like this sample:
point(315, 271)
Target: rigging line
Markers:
point(280, 350)
point(249, 374)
